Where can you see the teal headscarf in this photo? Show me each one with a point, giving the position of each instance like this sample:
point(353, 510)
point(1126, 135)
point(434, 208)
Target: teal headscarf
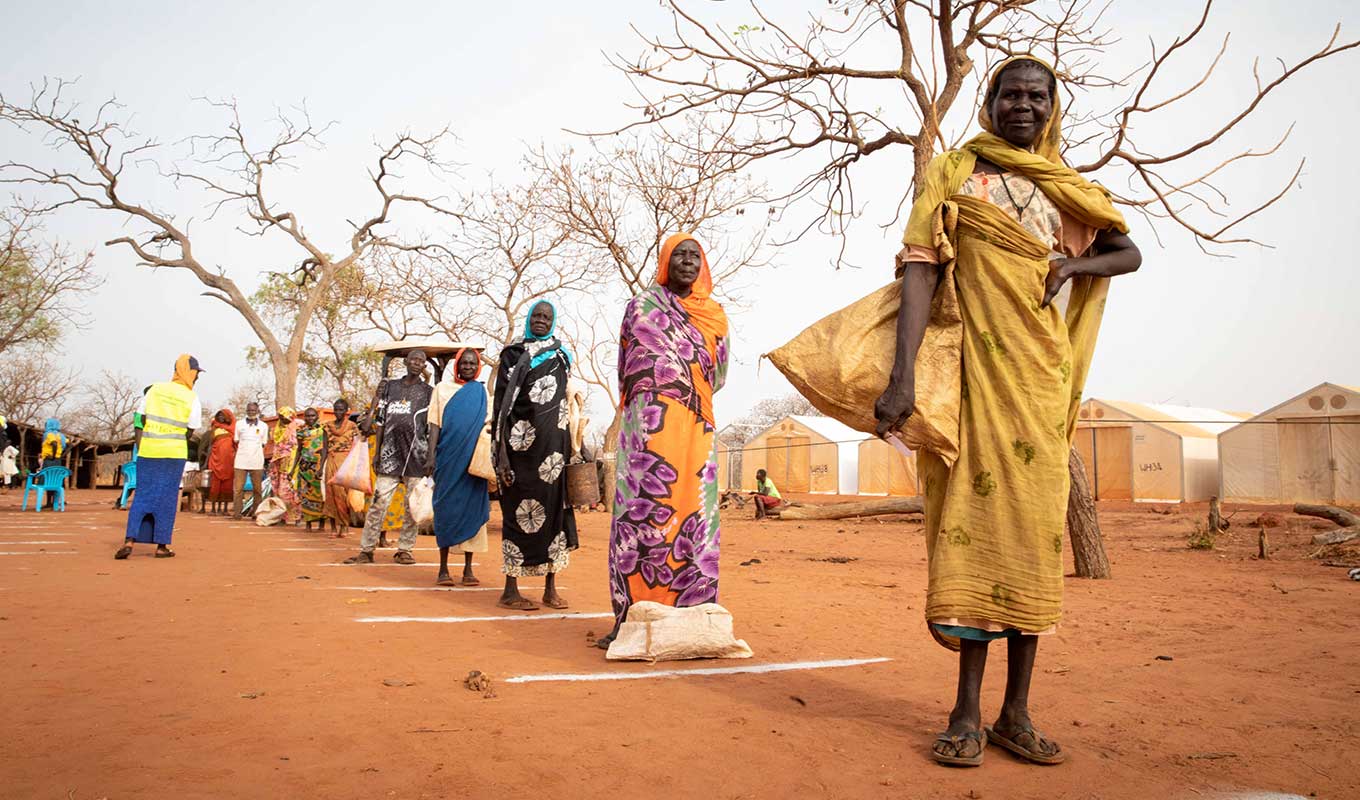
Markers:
point(54, 426)
point(530, 337)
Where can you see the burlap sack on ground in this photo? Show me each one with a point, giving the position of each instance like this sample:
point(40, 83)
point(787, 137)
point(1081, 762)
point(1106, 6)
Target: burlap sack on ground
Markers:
point(841, 363)
point(270, 512)
point(656, 632)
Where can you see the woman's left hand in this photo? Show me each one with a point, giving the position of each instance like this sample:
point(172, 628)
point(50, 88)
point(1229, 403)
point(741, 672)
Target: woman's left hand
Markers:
point(1059, 271)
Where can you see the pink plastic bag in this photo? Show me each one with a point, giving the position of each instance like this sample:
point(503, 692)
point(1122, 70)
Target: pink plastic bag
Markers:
point(354, 470)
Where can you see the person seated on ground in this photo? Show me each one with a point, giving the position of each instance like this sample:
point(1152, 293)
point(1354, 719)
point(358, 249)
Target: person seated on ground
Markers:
point(766, 495)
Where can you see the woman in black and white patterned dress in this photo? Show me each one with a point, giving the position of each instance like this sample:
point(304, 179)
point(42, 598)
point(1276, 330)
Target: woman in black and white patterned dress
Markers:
point(531, 445)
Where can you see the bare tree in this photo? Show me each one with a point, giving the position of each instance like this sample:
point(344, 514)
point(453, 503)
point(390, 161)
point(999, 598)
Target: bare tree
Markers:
point(336, 360)
point(105, 411)
point(825, 88)
point(32, 387)
point(813, 89)
point(622, 202)
point(41, 283)
point(97, 150)
point(514, 253)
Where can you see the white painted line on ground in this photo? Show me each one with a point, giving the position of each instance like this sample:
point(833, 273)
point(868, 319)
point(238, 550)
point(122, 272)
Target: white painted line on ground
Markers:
point(531, 617)
point(340, 549)
point(679, 673)
point(365, 566)
point(40, 533)
point(39, 553)
point(41, 541)
point(426, 588)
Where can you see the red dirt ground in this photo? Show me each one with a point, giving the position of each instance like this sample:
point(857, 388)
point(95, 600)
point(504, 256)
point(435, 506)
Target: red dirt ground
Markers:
point(222, 673)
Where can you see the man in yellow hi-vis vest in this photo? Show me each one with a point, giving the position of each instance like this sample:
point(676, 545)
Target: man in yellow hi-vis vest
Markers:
point(169, 413)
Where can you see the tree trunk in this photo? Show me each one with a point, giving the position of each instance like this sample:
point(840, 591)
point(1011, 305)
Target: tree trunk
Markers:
point(861, 508)
point(285, 382)
point(1340, 516)
point(1088, 549)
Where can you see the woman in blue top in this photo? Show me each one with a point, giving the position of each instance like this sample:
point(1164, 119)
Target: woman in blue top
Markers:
point(461, 504)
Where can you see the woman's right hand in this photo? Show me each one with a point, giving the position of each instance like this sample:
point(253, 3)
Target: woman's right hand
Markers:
point(894, 406)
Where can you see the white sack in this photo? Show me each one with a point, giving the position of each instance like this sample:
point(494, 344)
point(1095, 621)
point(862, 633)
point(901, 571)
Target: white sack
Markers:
point(656, 632)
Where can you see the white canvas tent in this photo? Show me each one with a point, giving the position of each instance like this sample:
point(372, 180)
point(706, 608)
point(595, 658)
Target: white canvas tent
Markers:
point(883, 470)
point(1151, 452)
point(804, 454)
point(1304, 450)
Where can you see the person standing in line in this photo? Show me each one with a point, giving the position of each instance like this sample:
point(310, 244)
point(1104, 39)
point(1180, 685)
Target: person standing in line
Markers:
point(400, 414)
point(458, 414)
point(170, 414)
point(673, 352)
point(221, 450)
point(281, 463)
point(251, 436)
point(308, 469)
point(1013, 250)
point(341, 434)
point(530, 445)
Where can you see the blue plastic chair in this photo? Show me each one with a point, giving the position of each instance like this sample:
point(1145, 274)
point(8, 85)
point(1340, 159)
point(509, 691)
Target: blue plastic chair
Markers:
point(129, 482)
point(48, 479)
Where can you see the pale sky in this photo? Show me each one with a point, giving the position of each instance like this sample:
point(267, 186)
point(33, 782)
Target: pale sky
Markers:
point(1242, 333)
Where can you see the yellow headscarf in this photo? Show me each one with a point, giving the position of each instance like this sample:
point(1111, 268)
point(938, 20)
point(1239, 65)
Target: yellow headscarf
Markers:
point(1085, 201)
point(185, 374)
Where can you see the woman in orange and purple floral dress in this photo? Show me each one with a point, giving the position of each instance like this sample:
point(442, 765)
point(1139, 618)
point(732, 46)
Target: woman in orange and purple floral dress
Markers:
point(663, 544)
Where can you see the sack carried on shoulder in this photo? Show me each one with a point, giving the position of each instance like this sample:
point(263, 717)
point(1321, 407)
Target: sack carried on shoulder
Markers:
point(354, 470)
point(480, 465)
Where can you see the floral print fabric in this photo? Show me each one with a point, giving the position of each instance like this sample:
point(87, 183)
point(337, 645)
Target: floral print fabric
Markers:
point(664, 540)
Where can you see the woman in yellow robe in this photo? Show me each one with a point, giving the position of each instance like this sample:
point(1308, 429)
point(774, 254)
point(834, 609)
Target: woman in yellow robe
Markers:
point(1011, 251)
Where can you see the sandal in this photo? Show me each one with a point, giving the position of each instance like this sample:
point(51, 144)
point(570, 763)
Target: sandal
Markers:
point(604, 641)
point(123, 552)
point(1037, 756)
point(443, 579)
point(404, 557)
point(363, 557)
point(165, 554)
point(958, 743)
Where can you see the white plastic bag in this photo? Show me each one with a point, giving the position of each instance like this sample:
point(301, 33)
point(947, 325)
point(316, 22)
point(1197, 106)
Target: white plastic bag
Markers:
point(421, 502)
point(271, 512)
point(656, 632)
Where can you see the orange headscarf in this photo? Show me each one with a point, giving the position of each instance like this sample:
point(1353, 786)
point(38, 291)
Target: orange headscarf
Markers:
point(706, 313)
point(185, 374)
point(459, 357)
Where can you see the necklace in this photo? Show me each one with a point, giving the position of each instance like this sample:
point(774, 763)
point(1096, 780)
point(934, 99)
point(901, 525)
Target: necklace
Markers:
point(1019, 209)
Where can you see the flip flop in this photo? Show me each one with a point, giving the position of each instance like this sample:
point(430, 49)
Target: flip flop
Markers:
point(444, 580)
point(165, 554)
point(471, 582)
point(559, 605)
point(956, 742)
point(123, 552)
point(1034, 756)
point(529, 607)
